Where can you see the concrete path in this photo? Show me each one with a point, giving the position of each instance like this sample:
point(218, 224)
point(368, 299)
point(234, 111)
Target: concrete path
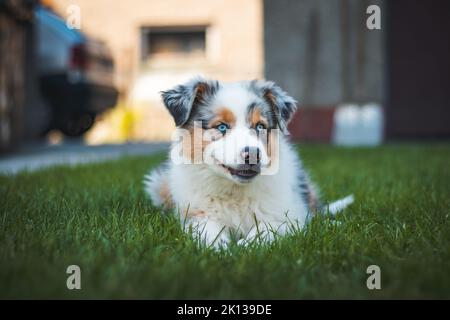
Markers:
point(35, 157)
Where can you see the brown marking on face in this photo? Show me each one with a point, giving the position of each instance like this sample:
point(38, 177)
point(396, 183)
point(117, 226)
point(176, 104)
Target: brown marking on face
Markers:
point(256, 117)
point(223, 115)
point(195, 144)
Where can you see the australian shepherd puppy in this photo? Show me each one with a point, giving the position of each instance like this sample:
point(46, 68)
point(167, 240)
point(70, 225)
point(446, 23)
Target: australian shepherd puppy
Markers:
point(232, 173)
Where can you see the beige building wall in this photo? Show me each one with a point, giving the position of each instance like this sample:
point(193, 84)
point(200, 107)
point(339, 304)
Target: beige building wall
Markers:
point(237, 34)
point(234, 46)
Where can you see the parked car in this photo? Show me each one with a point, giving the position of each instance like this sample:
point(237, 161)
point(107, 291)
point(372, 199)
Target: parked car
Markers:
point(75, 74)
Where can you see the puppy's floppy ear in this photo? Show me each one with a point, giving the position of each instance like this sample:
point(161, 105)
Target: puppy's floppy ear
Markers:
point(283, 105)
point(181, 100)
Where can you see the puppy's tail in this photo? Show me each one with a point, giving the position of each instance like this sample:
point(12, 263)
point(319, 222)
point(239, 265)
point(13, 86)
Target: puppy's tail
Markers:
point(156, 187)
point(339, 205)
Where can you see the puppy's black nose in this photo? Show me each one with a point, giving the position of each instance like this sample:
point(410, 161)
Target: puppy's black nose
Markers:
point(251, 155)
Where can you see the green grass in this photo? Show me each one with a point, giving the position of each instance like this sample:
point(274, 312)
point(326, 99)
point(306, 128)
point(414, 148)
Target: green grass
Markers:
point(97, 216)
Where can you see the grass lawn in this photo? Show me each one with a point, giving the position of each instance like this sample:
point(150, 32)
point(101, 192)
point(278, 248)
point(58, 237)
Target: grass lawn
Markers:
point(97, 216)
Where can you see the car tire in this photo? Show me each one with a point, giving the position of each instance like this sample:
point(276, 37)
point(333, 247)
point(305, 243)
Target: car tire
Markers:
point(6, 138)
point(75, 125)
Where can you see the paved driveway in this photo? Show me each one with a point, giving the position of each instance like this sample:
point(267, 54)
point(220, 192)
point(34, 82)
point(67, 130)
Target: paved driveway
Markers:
point(35, 157)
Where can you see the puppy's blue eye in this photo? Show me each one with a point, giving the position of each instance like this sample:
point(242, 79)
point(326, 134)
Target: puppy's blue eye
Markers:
point(222, 128)
point(260, 127)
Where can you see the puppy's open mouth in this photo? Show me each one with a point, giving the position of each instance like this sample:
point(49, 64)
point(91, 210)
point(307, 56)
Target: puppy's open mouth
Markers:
point(244, 172)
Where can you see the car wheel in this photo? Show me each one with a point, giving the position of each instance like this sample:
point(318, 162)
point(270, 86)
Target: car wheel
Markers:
point(5, 132)
point(76, 125)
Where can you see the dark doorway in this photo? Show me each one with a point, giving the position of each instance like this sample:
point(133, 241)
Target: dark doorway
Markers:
point(418, 78)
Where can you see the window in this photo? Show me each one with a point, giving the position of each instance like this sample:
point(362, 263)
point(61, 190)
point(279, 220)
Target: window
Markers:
point(174, 43)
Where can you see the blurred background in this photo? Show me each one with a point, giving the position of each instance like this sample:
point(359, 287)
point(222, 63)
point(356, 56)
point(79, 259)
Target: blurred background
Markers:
point(91, 70)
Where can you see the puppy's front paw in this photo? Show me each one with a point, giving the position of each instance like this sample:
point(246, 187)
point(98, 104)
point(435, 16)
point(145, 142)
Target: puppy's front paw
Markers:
point(211, 233)
point(220, 242)
point(243, 242)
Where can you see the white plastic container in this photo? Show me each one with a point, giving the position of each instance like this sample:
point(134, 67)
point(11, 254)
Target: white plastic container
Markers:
point(358, 126)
